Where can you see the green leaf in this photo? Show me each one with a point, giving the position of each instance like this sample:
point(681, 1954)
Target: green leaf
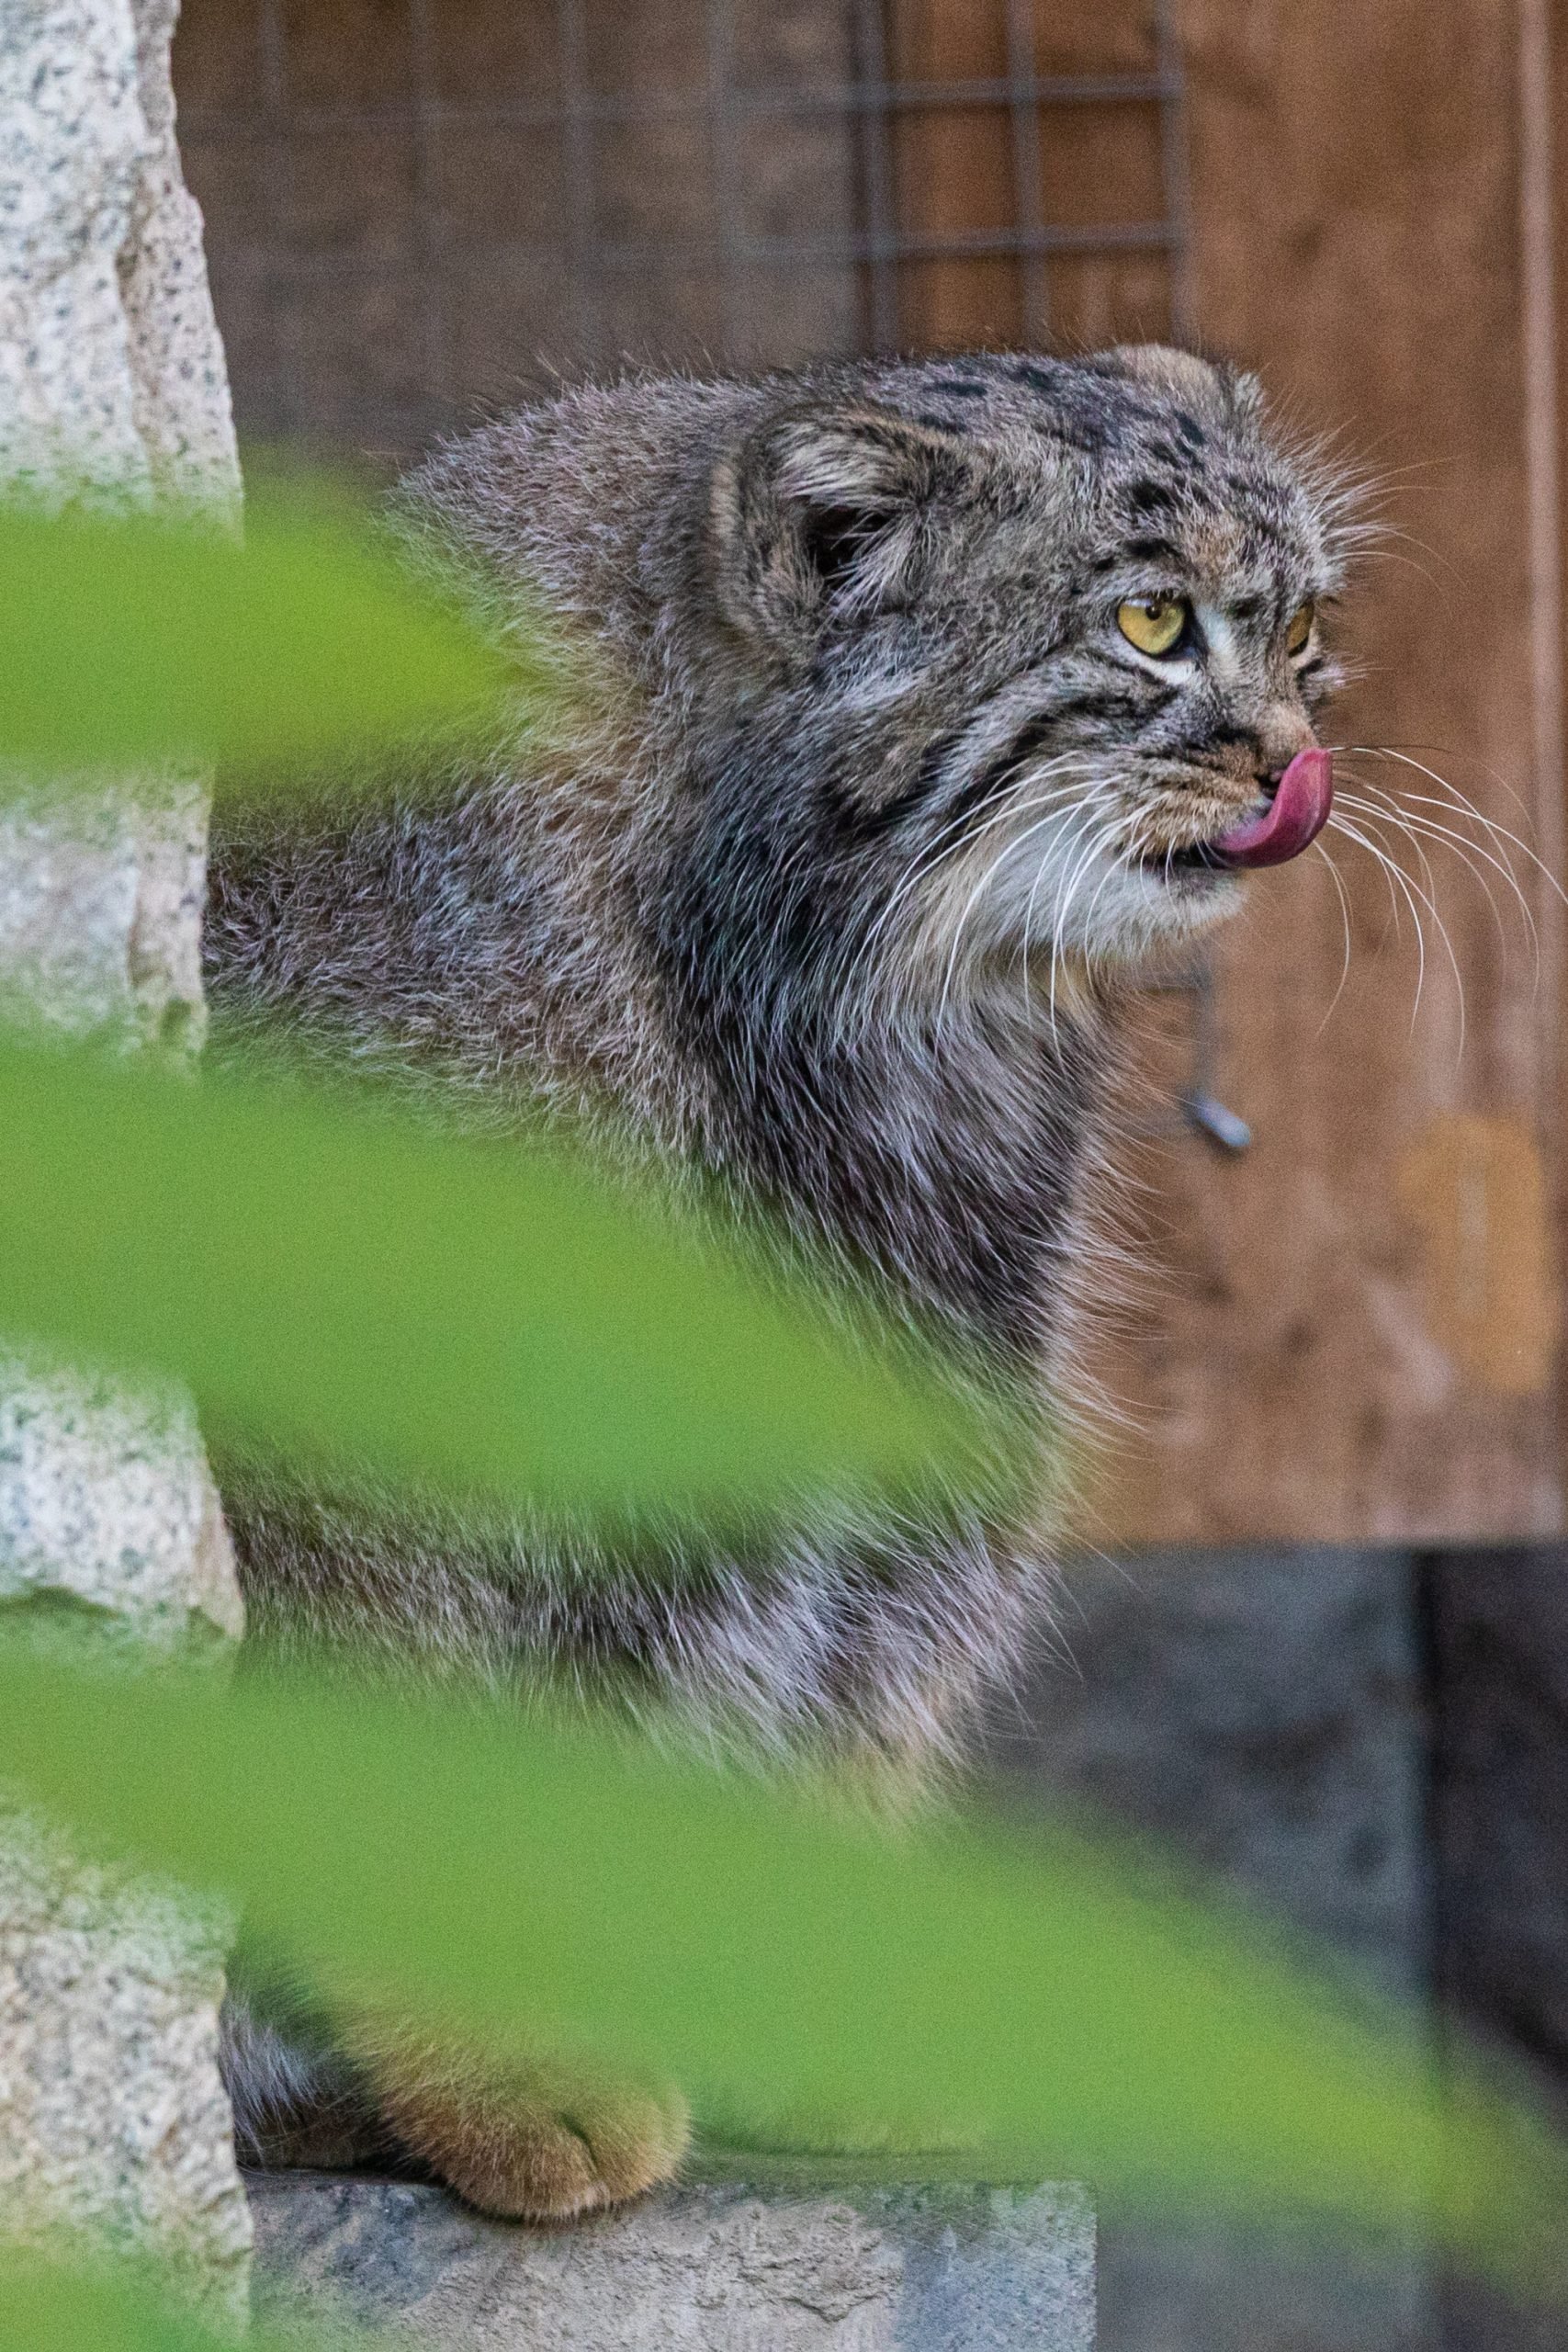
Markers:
point(511, 1879)
point(138, 642)
point(43, 2306)
point(474, 1316)
point(46, 2307)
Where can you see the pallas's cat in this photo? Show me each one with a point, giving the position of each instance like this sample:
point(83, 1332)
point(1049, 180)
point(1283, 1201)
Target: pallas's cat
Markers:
point(911, 709)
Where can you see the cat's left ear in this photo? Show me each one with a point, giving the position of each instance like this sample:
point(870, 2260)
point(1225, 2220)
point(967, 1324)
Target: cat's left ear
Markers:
point(822, 515)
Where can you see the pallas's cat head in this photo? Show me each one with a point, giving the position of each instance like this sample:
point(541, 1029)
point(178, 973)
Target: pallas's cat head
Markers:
point(951, 666)
point(1047, 633)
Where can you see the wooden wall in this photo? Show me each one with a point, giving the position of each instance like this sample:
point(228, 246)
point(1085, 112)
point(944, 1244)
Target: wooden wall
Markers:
point(419, 210)
point(1359, 1330)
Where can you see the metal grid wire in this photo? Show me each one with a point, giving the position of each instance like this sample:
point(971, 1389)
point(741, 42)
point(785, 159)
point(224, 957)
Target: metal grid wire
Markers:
point(868, 102)
point(727, 118)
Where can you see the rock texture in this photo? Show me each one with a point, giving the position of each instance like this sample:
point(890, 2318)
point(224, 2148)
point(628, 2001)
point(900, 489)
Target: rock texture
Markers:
point(760, 2265)
point(112, 394)
point(109, 1513)
point(113, 2120)
point(111, 372)
point(101, 911)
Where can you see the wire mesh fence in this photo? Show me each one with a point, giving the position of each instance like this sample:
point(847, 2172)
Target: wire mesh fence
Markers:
point(419, 208)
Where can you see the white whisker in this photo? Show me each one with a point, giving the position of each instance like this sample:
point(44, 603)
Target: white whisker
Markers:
point(974, 900)
point(1097, 845)
point(1409, 886)
point(953, 832)
point(1345, 925)
point(1490, 824)
point(1396, 812)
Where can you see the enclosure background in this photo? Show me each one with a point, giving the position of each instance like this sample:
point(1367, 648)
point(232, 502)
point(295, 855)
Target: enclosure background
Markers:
point(417, 209)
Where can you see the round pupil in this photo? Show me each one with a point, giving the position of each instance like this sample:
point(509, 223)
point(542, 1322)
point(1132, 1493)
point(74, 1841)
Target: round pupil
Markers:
point(1154, 624)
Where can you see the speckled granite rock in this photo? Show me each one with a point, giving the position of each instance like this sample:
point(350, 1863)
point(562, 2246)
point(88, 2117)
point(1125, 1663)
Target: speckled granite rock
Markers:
point(101, 911)
point(112, 2117)
point(112, 391)
point(780, 2261)
point(111, 372)
point(108, 1509)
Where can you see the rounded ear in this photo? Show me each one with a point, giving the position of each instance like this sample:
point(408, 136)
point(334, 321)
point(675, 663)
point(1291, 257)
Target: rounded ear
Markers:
point(1186, 375)
point(820, 514)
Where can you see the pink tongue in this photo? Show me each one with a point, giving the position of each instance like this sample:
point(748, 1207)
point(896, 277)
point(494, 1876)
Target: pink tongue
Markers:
point(1293, 819)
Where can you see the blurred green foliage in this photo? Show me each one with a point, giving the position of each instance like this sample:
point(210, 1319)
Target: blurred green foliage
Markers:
point(474, 1315)
point(1021, 2001)
point(137, 642)
point(46, 2308)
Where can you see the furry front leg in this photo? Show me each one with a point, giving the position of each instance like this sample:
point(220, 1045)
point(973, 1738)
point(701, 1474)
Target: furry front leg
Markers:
point(534, 2136)
point(530, 2136)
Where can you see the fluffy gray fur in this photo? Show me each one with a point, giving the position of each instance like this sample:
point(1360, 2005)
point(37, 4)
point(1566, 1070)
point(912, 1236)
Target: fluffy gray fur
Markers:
point(823, 882)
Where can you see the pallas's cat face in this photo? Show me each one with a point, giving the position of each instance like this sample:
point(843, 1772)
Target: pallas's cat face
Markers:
point(1046, 637)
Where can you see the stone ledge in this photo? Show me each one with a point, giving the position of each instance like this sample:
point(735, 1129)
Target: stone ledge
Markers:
point(772, 2259)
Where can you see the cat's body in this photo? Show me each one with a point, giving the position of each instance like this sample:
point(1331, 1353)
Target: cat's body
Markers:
point(822, 882)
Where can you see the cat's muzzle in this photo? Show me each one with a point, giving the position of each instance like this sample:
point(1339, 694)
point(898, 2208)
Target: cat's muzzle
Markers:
point(1292, 820)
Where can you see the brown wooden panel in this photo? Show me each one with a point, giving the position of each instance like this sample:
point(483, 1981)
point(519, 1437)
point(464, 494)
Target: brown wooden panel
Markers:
point(1356, 1333)
point(954, 171)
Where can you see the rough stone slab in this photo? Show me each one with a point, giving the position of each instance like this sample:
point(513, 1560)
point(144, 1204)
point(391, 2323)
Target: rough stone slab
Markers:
point(112, 2117)
point(100, 913)
point(722, 2266)
point(112, 395)
point(109, 1513)
point(111, 372)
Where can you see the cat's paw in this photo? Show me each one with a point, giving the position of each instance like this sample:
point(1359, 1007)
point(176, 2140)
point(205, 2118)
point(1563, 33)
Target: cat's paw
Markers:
point(533, 2141)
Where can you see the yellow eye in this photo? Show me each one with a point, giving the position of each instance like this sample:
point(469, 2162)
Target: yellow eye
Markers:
point(1300, 628)
point(1154, 624)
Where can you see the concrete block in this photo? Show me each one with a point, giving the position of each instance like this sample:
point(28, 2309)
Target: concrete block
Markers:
point(768, 2258)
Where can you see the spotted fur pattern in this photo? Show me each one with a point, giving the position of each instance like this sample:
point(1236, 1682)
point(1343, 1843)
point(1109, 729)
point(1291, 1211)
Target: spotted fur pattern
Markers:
point(820, 883)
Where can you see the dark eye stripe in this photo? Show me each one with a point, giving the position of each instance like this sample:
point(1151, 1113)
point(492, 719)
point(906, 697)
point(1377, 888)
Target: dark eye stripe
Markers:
point(925, 784)
point(987, 783)
point(1152, 550)
point(990, 781)
point(869, 824)
point(1035, 735)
